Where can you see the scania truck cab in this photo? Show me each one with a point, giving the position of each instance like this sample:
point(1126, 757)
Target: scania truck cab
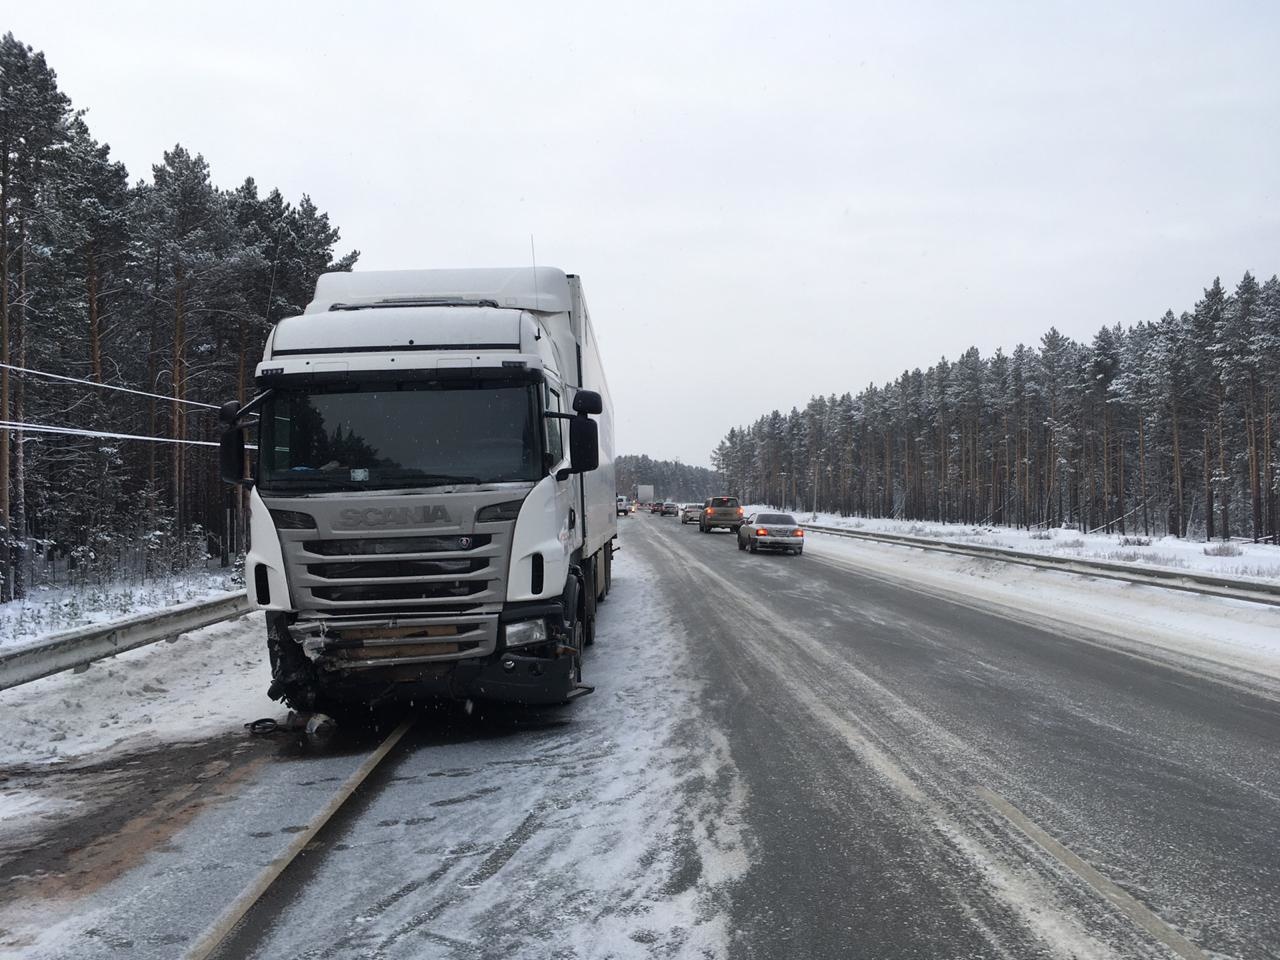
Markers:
point(431, 506)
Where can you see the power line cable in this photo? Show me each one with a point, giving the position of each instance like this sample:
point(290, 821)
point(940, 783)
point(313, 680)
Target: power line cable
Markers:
point(105, 386)
point(80, 432)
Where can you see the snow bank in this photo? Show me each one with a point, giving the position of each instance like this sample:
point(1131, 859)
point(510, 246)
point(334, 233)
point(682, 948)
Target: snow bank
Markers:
point(50, 610)
point(1259, 561)
point(206, 682)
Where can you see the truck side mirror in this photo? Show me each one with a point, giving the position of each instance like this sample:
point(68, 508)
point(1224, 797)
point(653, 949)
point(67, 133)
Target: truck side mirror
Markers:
point(229, 412)
point(584, 444)
point(588, 403)
point(231, 456)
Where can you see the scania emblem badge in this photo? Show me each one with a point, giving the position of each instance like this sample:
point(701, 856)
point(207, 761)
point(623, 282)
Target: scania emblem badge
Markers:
point(464, 543)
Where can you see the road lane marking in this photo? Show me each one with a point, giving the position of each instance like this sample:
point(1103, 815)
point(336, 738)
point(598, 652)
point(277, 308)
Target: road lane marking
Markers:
point(1113, 894)
point(218, 931)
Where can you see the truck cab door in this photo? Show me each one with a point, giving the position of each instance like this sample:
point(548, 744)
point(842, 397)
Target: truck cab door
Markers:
point(568, 490)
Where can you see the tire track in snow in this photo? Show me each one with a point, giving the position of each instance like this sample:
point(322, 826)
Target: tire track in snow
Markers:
point(924, 764)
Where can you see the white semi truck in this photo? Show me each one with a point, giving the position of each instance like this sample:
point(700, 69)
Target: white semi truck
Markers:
point(431, 508)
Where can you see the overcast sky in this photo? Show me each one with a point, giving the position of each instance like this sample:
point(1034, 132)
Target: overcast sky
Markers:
point(764, 201)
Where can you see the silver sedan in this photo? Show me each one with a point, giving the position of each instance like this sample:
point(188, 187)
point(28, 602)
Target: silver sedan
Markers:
point(771, 531)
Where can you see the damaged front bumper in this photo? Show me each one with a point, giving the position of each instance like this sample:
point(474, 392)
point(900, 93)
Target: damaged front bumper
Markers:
point(454, 657)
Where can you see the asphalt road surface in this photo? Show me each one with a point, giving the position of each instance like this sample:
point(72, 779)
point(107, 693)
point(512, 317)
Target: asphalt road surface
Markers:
point(929, 780)
point(785, 757)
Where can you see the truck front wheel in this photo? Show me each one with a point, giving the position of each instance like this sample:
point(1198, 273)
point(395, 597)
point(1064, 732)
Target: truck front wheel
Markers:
point(587, 617)
point(293, 678)
point(577, 643)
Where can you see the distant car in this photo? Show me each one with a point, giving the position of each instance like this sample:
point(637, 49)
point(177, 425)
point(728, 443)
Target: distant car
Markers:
point(771, 531)
point(623, 507)
point(690, 513)
point(655, 507)
point(720, 512)
point(670, 509)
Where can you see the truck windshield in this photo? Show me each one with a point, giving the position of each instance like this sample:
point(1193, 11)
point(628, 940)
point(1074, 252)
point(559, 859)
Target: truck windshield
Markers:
point(389, 435)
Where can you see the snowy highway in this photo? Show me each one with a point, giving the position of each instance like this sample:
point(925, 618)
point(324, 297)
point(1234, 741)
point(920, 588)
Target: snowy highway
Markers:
point(784, 757)
point(894, 746)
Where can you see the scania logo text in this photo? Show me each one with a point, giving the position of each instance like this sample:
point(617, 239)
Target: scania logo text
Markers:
point(393, 517)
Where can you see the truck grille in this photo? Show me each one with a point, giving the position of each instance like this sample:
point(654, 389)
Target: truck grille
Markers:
point(411, 573)
point(378, 592)
point(382, 546)
point(394, 568)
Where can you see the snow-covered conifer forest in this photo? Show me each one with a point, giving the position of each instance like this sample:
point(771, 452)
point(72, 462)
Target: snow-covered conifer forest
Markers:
point(1170, 426)
point(671, 479)
point(165, 285)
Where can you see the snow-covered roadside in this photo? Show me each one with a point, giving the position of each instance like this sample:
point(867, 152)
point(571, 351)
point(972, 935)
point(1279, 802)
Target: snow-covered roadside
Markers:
point(1232, 638)
point(613, 827)
point(50, 610)
point(208, 681)
point(1252, 560)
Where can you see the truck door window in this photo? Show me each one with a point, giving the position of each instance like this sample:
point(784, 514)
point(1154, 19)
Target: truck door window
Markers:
point(555, 435)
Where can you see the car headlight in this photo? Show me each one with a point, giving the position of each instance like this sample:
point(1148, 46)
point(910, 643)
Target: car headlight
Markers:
point(525, 632)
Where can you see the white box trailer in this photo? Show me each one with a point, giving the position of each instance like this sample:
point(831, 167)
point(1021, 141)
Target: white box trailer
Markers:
point(432, 505)
point(644, 492)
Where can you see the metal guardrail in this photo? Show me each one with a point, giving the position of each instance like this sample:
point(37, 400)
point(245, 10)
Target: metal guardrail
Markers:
point(1232, 588)
point(81, 647)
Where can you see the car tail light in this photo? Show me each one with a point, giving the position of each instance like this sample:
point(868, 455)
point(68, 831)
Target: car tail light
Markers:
point(798, 533)
point(762, 532)
point(739, 511)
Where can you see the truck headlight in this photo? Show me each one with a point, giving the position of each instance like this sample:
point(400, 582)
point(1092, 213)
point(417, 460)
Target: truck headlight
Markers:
point(525, 632)
point(499, 511)
point(293, 520)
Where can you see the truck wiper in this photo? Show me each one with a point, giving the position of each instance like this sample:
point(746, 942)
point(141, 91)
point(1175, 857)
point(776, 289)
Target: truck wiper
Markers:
point(310, 485)
point(418, 479)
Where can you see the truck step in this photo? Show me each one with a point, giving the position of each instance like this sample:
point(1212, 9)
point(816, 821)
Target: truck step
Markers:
point(581, 690)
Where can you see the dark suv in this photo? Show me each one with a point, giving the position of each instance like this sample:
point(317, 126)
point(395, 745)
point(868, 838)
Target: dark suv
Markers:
point(721, 512)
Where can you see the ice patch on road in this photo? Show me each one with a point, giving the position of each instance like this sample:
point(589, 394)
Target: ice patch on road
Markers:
point(20, 805)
